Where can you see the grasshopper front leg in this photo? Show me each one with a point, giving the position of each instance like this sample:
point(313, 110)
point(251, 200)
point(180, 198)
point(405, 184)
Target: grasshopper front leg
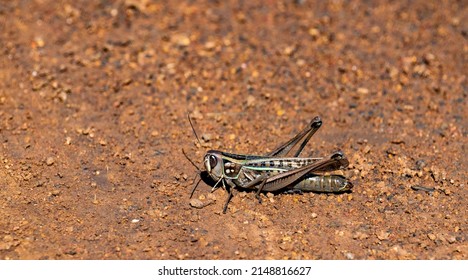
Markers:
point(230, 195)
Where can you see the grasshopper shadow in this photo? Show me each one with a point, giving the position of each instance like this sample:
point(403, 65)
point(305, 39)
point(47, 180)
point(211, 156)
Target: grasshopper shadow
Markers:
point(207, 179)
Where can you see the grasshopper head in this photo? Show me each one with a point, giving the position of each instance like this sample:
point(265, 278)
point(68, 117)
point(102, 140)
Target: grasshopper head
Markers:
point(214, 164)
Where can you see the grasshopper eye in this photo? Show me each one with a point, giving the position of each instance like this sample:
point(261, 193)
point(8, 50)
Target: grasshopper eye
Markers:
point(213, 161)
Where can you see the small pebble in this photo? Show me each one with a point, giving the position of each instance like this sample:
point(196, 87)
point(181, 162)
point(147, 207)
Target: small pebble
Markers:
point(349, 256)
point(367, 149)
point(50, 161)
point(314, 32)
point(383, 235)
point(206, 137)
point(250, 101)
point(362, 91)
point(8, 238)
point(181, 40)
point(451, 239)
point(196, 203)
point(55, 192)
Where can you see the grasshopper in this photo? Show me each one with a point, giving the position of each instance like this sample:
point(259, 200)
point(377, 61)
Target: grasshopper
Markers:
point(276, 170)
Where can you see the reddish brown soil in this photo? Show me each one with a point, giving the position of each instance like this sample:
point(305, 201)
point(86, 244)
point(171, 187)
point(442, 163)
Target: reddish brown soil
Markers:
point(93, 104)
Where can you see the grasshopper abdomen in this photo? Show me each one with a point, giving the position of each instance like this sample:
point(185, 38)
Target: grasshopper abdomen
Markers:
point(323, 183)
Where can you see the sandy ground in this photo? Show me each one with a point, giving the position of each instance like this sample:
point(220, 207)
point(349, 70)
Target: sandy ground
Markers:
point(93, 103)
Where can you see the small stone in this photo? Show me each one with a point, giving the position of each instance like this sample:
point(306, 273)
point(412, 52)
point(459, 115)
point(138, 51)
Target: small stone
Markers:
point(250, 101)
point(314, 32)
point(349, 256)
point(314, 215)
point(39, 42)
point(455, 21)
point(441, 238)
point(362, 91)
point(55, 192)
point(196, 203)
point(206, 137)
point(8, 238)
point(289, 50)
point(383, 235)
point(400, 251)
point(181, 40)
point(360, 235)
point(366, 149)
point(50, 161)
point(62, 96)
point(431, 236)
point(210, 45)
point(428, 58)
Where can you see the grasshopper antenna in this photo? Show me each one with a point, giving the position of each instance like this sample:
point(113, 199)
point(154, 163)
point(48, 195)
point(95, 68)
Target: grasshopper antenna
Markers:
point(198, 168)
point(186, 156)
point(196, 185)
point(193, 129)
point(198, 174)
